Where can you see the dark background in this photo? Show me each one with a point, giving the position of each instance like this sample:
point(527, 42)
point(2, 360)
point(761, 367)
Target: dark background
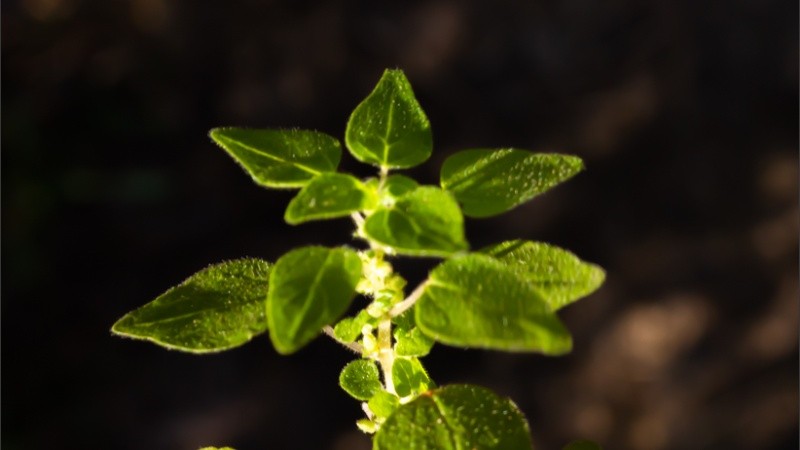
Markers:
point(685, 111)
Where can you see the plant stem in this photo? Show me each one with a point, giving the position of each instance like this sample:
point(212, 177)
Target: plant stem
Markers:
point(354, 346)
point(385, 351)
point(409, 301)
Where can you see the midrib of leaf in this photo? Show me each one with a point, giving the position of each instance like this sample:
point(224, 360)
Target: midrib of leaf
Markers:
point(453, 441)
point(468, 176)
point(273, 157)
point(309, 295)
point(386, 142)
point(179, 317)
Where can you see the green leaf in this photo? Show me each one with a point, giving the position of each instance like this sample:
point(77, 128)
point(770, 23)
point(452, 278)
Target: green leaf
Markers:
point(360, 379)
point(389, 128)
point(456, 417)
point(560, 276)
point(216, 309)
point(424, 222)
point(396, 186)
point(383, 404)
point(477, 301)
point(280, 158)
point(329, 196)
point(582, 445)
point(412, 342)
point(367, 426)
point(409, 377)
point(489, 182)
point(309, 287)
point(349, 329)
point(217, 448)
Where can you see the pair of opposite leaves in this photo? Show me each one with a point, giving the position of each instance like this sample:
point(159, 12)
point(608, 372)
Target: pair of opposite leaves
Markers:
point(390, 130)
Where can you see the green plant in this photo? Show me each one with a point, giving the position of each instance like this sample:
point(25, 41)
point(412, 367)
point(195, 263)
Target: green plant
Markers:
point(503, 297)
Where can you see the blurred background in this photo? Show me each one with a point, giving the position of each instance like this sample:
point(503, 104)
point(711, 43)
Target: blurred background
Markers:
point(686, 113)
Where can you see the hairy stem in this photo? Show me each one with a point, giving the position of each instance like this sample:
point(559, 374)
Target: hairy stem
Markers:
point(409, 301)
point(354, 346)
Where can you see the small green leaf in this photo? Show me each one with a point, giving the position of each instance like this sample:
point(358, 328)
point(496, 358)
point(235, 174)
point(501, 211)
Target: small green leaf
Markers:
point(328, 196)
point(360, 379)
point(367, 426)
point(280, 158)
point(412, 342)
point(310, 287)
point(560, 276)
point(424, 222)
point(216, 309)
point(396, 186)
point(582, 445)
point(405, 321)
point(389, 128)
point(489, 182)
point(409, 377)
point(477, 301)
point(383, 404)
point(349, 329)
point(455, 417)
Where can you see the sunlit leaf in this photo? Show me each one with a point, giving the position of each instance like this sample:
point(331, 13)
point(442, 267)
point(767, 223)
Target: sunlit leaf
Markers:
point(488, 182)
point(423, 222)
point(310, 287)
point(218, 308)
point(477, 301)
point(560, 276)
point(280, 158)
point(389, 128)
point(328, 196)
point(456, 417)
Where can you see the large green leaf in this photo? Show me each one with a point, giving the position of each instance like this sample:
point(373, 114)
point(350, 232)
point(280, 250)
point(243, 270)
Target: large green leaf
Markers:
point(328, 196)
point(559, 275)
point(488, 182)
point(310, 287)
point(456, 417)
point(477, 301)
point(423, 222)
point(218, 308)
point(389, 129)
point(280, 158)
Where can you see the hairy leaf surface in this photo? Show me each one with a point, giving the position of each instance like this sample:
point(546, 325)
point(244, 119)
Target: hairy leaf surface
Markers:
point(360, 379)
point(280, 158)
point(488, 182)
point(477, 301)
point(218, 308)
point(389, 128)
point(423, 222)
point(455, 417)
point(328, 196)
point(310, 287)
point(409, 377)
point(559, 275)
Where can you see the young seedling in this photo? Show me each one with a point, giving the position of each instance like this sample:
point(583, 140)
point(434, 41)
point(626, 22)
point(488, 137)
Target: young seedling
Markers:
point(503, 297)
